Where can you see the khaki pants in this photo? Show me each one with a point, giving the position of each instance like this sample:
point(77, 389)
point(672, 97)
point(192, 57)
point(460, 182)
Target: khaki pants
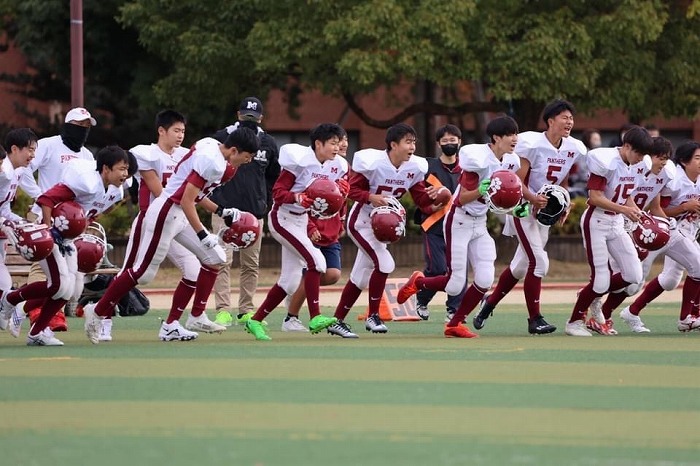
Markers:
point(250, 261)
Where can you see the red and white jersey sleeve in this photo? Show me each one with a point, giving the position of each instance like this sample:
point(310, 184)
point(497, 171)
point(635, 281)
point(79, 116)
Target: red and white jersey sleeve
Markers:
point(478, 162)
point(680, 190)
point(548, 164)
point(9, 180)
point(151, 157)
point(611, 175)
point(384, 177)
point(81, 177)
point(648, 187)
point(204, 166)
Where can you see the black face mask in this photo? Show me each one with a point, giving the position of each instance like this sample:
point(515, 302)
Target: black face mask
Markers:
point(74, 136)
point(449, 149)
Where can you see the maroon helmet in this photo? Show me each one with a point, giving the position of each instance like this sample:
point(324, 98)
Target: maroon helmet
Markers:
point(389, 221)
point(504, 193)
point(651, 233)
point(69, 219)
point(327, 198)
point(91, 252)
point(32, 241)
point(242, 233)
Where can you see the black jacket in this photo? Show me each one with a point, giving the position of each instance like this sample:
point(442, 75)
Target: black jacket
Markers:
point(251, 189)
point(449, 179)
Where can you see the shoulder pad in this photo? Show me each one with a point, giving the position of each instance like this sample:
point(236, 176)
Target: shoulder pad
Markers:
point(365, 160)
point(600, 161)
point(294, 156)
point(420, 162)
point(473, 157)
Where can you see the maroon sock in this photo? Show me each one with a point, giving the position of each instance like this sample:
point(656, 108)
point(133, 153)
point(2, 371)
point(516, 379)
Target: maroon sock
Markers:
point(376, 290)
point(532, 288)
point(472, 297)
point(617, 283)
point(48, 310)
point(181, 298)
point(690, 294)
point(205, 283)
point(433, 283)
point(116, 290)
point(347, 299)
point(696, 306)
point(613, 302)
point(585, 298)
point(34, 303)
point(35, 290)
point(506, 282)
point(312, 284)
point(652, 291)
point(275, 296)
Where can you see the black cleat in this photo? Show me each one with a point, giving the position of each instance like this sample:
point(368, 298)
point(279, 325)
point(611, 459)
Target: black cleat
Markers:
point(485, 311)
point(539, 326)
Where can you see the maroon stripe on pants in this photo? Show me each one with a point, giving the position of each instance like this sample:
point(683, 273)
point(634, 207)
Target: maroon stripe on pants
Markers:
point(366, 247)
point(292, 240)
point(155, 241)
point(136, 239)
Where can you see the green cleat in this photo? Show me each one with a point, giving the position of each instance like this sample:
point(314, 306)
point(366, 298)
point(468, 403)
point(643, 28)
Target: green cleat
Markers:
point(321, 322)
point(241, 319)
point(257, 329)
point(224, 318)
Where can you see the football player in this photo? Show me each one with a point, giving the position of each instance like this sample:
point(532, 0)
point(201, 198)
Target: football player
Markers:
point(466, 236)
point(173, 216)
point(613, 179)
point(288, 221)
point(91, 184)
point(547, 158)
point(380, 178)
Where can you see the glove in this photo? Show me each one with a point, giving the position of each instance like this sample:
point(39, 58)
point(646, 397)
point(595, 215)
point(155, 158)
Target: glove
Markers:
point(8, 227)
point(210, 241)
point(303, 200)
point(64, 248)
point(672, 224)
point(343, 186)
point(522, 210)
point(484, 186)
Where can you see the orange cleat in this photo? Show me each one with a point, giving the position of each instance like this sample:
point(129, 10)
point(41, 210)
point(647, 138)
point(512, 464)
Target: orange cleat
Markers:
point(409, 288)
point(460, 331)
point(58, 322)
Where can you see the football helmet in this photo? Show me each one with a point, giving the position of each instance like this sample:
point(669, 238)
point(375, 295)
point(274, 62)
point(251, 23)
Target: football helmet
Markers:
point(243, 233)
point(69, 219)
point(504, 193)
point(91, 247)
point(558, 200)
point(651, 233)
point(32, 241)
point(326, 196)
point(389, 221)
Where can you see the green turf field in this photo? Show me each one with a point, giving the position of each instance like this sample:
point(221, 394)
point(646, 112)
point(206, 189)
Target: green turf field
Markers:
point(410, 397)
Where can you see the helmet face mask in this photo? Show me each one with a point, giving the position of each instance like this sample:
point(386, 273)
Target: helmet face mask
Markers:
point(558, 201)
point(504, 193)
point(241, 234)
point(389, 221)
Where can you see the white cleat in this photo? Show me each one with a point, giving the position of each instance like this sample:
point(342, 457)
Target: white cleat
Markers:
point(688, 324)
point(375, 325)
point(293, 324)
point(106, 330)
point(175, 332)
point(341, 329)
point(201, 323)
point(577, 328)
point(6, 311)
point(634, 322)
point(44, 338)
point(93, 323)
point(15, 324)
point(596, 309)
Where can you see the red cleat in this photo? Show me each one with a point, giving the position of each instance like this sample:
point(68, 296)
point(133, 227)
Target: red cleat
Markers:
point(409, 288)
point(460, 331)
point(58, 322)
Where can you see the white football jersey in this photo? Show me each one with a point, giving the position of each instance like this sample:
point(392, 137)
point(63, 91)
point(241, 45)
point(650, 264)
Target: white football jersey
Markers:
point(479, 160)
point(648, 187)
point(9, 180)
point(206, 162)
point(151, 157)
point(680, 190)
point(620, 178)
point(548, 164)
point(50, 160)
point(82, 178)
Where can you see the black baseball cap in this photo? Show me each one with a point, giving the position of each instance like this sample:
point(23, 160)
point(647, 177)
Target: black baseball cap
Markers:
point(251, 106)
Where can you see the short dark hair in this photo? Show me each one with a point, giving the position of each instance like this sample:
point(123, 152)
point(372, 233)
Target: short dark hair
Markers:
point(501, 126)
point(167, 118)
point(639, 139)
point(397, 132)
point(20, 137)
point(243, 139)
point(660, 146)
point(109, 156)
point(447, 129)
point(685, 152)
point(133, 163)
point(556, 107)
point(325, 132)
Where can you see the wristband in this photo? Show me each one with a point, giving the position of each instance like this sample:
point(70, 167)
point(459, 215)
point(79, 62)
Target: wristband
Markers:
point(219, 210)
point(201, 234)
